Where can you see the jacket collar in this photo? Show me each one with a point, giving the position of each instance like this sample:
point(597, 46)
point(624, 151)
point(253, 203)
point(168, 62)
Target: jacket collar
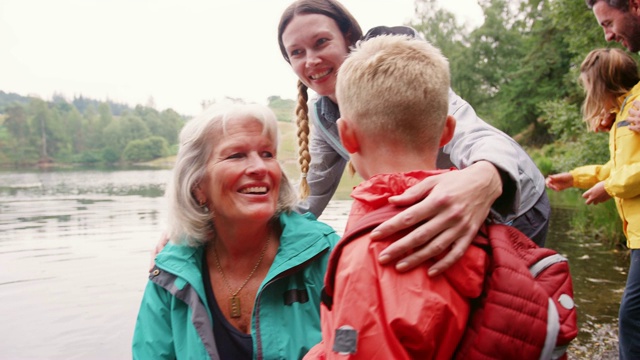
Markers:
point(376, 191)
point(622, 100)
point(329, 111)
point(300, 241)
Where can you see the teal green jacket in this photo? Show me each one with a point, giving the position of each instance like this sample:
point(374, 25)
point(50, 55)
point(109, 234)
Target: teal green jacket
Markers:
point(174, 320)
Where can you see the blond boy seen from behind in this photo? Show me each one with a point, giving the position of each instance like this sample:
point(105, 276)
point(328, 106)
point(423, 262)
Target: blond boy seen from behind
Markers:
point(393, 96)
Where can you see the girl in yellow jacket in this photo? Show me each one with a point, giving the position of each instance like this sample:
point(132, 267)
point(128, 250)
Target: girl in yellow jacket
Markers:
point(611, 81)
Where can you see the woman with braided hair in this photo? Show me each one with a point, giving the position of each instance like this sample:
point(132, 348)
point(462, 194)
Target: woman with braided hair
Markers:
point(497, 179)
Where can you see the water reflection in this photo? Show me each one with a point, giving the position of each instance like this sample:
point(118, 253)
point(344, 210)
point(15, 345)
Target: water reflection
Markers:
point(74, 254)
point(74, 251)
point(599, 276)
point(599, 273)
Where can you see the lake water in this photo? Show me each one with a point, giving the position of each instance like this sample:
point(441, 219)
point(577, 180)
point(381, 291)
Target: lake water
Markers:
point(74, 256)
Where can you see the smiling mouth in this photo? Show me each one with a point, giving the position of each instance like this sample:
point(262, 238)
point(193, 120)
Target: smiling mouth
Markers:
point(620, 40)
point(320, 75)
point(255, 190)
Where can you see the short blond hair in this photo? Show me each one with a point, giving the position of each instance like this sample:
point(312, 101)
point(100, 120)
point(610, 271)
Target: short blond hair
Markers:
point(396, 86)
point(188, 222)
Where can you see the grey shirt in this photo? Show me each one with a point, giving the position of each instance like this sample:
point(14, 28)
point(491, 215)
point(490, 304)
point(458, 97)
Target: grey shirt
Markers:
point(474, 140)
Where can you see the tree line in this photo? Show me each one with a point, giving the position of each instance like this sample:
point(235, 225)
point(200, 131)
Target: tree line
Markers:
point(82, 131)
point(87, 131)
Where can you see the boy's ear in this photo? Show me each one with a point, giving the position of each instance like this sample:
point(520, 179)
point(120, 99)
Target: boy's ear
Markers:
point(448, 130)
point(348, 136)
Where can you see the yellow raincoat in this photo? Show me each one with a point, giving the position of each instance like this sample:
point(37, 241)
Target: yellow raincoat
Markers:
point(622, 173)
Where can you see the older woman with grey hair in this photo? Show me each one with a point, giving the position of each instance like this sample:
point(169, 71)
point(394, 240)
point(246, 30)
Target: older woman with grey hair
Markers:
point(243, 273)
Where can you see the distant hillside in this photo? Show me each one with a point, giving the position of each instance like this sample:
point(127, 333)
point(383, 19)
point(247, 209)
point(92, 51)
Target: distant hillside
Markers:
point(87, 131)
point(283, 108)
point(81, 103)
point(11, 98)
point(82, 131)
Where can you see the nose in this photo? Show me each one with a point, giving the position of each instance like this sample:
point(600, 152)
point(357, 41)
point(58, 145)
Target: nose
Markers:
point(313, 58)
point(256, 165)
point(608, 35)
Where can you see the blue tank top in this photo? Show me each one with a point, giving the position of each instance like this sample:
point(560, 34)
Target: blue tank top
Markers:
point(231, 343)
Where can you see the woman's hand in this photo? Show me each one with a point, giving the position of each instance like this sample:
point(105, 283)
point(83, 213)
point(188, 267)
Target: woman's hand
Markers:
point(597, 194)
point(634, 116)
point(456, 204)
point(559, 182)
point(164, 239)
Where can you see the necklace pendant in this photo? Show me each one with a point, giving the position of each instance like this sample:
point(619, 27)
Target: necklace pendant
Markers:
point(234, 307)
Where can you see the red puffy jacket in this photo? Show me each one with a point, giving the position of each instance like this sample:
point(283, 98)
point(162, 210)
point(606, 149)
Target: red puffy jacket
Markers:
point(526, 310)
point(379, 313)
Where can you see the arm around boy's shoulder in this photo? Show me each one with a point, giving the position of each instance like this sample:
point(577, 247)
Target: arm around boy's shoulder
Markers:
point(475, 140)
point(382, 309)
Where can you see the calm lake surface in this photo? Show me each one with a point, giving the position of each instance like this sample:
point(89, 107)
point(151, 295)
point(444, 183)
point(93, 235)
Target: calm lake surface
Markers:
point(74, 256)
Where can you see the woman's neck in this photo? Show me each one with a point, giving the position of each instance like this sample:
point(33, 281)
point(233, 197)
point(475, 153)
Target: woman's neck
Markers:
point(242, 241)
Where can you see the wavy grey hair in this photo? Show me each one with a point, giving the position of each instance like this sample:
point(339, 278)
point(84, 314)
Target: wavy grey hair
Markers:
point(189, 223)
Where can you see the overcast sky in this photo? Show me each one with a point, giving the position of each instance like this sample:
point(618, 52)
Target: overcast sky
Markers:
point(177, 52)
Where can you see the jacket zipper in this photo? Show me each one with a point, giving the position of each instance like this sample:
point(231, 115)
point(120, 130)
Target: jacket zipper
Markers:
point(260, 355)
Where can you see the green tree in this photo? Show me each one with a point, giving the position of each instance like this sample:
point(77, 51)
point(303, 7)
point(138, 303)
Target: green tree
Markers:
point(110, 155)
point(150, 117)
point(170, 124)
point(120, 132)
point(515, 61)
point(578, 27)
point(65, 130)
point(540, 76)
point(440, 27)
point(96, 125)
point(41, 116)
point(147, 149)
point(76, 130)
point(18, 146)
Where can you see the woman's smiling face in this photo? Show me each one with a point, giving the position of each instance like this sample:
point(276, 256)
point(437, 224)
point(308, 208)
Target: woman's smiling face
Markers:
point(316, 48)
point(242, 179)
